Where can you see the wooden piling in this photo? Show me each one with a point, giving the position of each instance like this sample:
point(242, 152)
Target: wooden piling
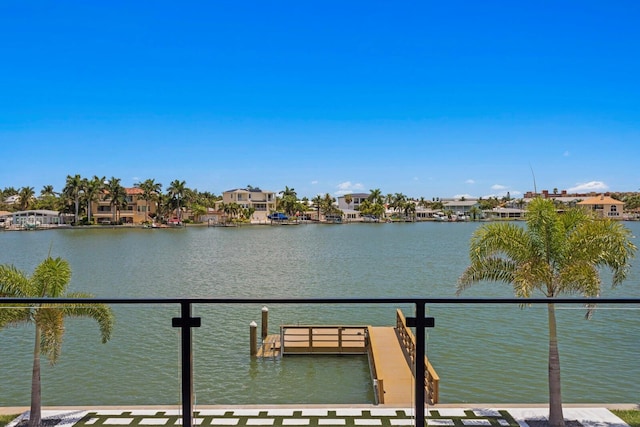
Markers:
point(253, 338)
point(265, 322)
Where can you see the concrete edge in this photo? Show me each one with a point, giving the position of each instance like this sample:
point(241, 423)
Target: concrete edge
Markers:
point(17, 410)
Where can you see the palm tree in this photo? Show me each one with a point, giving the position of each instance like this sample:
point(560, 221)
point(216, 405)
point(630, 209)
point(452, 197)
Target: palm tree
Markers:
point(116, 195)
point(49, 280)
point(48, 199)
point(150, 191)
point(177, 191)
point(26, 195)
point(409, 208)
point(556, 254)
point(327, 204)
point(198, 210)
point(348, 198)
point(47, 190)
point(375, 196)
point(475, 212)
point(92, 190)
point(398, 201)
point(288, 201)
point(230, 210)
point(73, 190)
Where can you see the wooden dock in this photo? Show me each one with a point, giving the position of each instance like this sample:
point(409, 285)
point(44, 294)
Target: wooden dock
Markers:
point(391, 353)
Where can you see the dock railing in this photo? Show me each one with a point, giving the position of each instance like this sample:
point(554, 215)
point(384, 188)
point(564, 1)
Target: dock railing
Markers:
point(416, 346)
point(408, 343)
point(326, 339)
point(378, 381)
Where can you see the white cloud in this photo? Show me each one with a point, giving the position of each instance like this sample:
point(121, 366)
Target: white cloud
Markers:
point(314, 182)
point(589, 186)
point(470, 181)
point(348, 187)
point(498, 187)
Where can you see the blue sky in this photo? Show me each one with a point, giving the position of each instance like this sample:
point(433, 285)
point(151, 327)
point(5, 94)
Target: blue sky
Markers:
point(430, 99)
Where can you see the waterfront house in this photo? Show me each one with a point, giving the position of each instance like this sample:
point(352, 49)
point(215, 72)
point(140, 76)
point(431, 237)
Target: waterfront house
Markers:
point(134, 210)
point(460, 207)
point(263, 202)
point(32, 219)
point(505, 213)
point(356, 199)
point(604, 206)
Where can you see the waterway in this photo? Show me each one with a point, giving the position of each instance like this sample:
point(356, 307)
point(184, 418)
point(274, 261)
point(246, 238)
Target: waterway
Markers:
point(482, 353)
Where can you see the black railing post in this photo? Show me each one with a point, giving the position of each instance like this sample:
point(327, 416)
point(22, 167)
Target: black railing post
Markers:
point(420, 322)
point(186, 322)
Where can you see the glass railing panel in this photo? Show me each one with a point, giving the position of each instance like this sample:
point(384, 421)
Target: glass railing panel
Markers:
point(140, 365)
point(499, 353)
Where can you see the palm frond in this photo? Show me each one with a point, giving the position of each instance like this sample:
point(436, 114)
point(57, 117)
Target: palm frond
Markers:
point(579, 277)
point(14, 314)
point(506, 239)
point(605, 243)
point(52, 277)
point(101, 313)
point(492, 269)
point(13, 282)
point(50, 320)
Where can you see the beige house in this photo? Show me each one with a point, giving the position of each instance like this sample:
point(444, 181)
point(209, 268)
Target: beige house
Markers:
point(604, 206)
point(134, 211)
point(264, 202)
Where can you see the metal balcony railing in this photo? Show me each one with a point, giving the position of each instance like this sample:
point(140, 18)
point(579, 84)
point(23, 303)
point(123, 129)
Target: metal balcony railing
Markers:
point(186, 322)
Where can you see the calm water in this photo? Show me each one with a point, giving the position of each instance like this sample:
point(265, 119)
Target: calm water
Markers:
point(482, 354)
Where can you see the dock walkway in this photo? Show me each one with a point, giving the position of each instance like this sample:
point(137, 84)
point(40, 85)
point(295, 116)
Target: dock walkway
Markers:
point(393, 373)
point(391, 352)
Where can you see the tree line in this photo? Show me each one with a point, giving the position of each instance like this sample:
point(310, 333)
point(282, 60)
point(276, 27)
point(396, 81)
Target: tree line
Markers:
point(80, 192)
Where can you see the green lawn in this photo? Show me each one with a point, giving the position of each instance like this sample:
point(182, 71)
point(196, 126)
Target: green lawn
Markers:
point(631, 417)
point(6, 419)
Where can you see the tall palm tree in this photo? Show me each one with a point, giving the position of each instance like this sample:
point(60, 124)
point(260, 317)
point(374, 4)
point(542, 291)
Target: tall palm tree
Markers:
point(92, 190)
point(49, 280)
point(26, 195)
point(116, 194)
point(317, 203)
point(177, 191)
point(150, 191)
point(73, 191)
point(556, 254)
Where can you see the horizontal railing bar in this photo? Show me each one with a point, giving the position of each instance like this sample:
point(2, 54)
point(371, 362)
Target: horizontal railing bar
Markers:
point(407, 300)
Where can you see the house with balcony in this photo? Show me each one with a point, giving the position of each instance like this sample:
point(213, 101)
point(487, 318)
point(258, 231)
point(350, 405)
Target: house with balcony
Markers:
point(263, 202)
point(604, 206)
point(356, 199)
point(134, 211)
